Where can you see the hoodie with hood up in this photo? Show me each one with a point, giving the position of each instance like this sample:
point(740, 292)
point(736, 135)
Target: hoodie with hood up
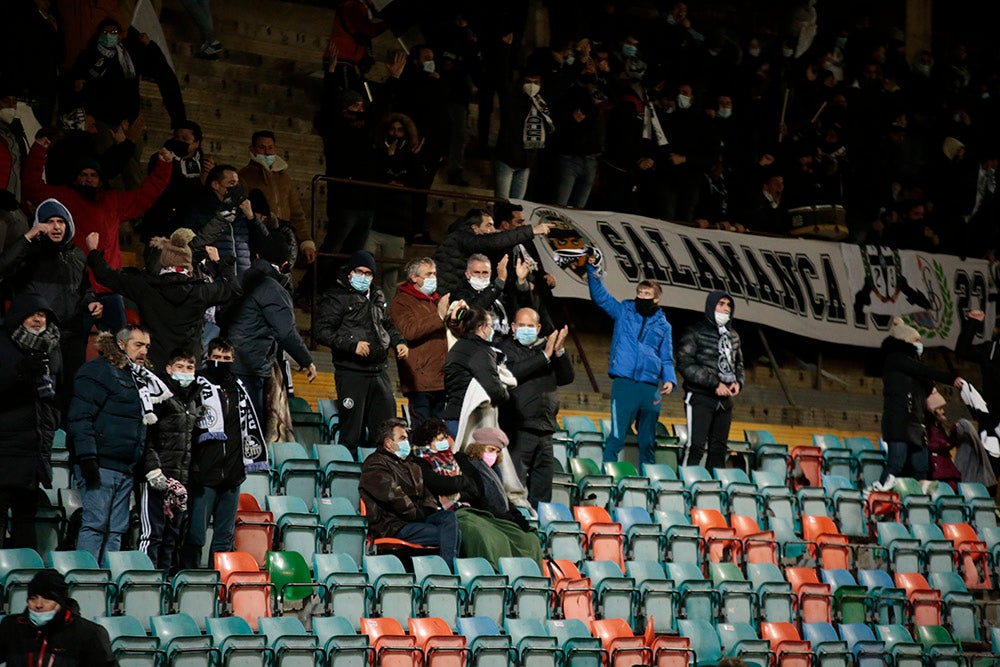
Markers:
point(698, 355)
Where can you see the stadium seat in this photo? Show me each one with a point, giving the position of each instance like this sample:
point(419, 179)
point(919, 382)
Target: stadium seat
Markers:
point(939, 554)
point(258, 485)
point(924, 602)
point(17, 567)
point(348, 592)
point(616, 594)
point(813, 596)
point(698, 598)
point(670, 494)
point(247, 589)
point(130, 644)
point(771, 456)
point(905, 554)
point(960, 611)
point(395, 593)
point(917, 505)
point(488, 647)
point(89, 584)
point(182, 642)
point(972, 555)
point(991, 538)
point(341, 643)
point(486, 592)
point(254, 529)
point(441, 646)
point(579, 647)
point(777, 498)
point(790, 545)
point(867, 650)
point(830, 650)
point(440, 590)
point(871, 459)
point(721, 542)
point(292, 645)
point(562, 537)
point(532, 644)
point(827, 545)
point(658, 600)
point(237, 643)
point(289, 573)
point(340, 473)
point(704, 641)
point(644, 539)
point(900, 645)
point(141, 589)
point(776, 599)
point(742, 496)
point(624, 649)
point(706, 492)
point(298, 529)
point(737, 600)
point(531, 593)
point(668, 650)
point(593, 487)
point(197, 593)
point(789, 648)
point(575, 424)
point(573, 593)
point(948, 505)
point(633, 490)
point(294, 471)
point(756, 545)
point(848, 505)
point(887, 604)
point(364, 453)
point(603, 538)
point(392, 646)
point(837, 459)
point(939, 646)
point(740, 640)
point(808, 460)
point(344, 530)
point(982, 506)
point(50, 518)
point(850, 601)
point(683, 541)
point(812, 501)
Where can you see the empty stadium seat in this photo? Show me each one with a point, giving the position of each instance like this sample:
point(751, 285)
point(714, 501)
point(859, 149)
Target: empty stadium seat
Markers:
point(814, 597)
point(757, 546)
point(887, 603)
point(254, 529)
point(924, 602)
point(698, 598)
point(561, 535)
point(579, 647)
point(837, 459)
point(290, 575)
point(533, 646)
point(247, 589)
point(939, 646)
point(603, 538)
point(392, 646)
point(900, 645)
point(624, 649)
point(298, 529)
point(89, 584)
point(348, 592)
point(488, 647)
point(341, 643)
point(808, 461)
point(395, 593)
point(658, 599)
point(742, 496)
point(905, 554)
point(917, 505)
point(776, 599)
point(441, 647)
point(848, 505)
point(706, 492)
point(948, 505)
point(827, 545)
point(237, 643)
point(197, 593)
point(531, 593)
point(982, 506)
point(789, 648)
point(871, 459)
point(182, 641)
point(721, 542)
point(939, 554)
point(830, 650)
point(130, 644)
point(704, 641)
point(344, 530)
point(973, 555)
point(771, 456)
point(867, 650)
point(669, 492)
point(850, 600)
point(960, 611)
point(574, 595)
point(294, 471)
point(141, 590)
point(683, 541)
point(616, 594)
point(593, 487)
point(740, 640)
point(737, 600)
point(340, 473)
point(644, 539)
point(633, 489)
point(292, 645)
point(486, 592)
point(777, 498)
point(440, 590)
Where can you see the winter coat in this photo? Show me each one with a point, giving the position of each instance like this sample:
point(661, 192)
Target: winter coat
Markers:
point(172, 306)
point(168, 441)
point(170, 211)
point(469, 486)
point(471, 358)
point(56, 271)
point(349, 153)
point(942, 468)
point(27, 421)
point(415, 315)
point(394, 493)
point(262, 320)
point(279, 190)
point(641, 347)
point(219, 463)
point(68, 640)
point(501, 299)
point(987, 355)
point(102, 214)
point(346, 317)
point(905, 384)
point(534, 401)
point(698, 353)
point(105, 420)
point(453, 253)
point(510, 149)
point(227, 229)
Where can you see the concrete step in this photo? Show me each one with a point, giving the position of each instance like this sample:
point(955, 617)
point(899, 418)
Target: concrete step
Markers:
point(289, 16)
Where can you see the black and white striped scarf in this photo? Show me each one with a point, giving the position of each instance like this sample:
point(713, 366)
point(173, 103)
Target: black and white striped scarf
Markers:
point(727, 372)
point(537, 124)
point(152, 390)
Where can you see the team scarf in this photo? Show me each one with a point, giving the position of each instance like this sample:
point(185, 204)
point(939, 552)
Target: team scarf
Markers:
point(152, 390)
point(536, 124)
point(254, 451)
point(727, 374)
point(100, 66)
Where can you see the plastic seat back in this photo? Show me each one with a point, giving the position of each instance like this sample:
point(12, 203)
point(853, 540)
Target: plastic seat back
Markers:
point(973, 554)
point(141, 589)
point(237, 643)
point(814, 596)
point(182, 640)
point(758, 546)
point(604, 538)
point(789, 648)
point(440, 590)
point(130, 644)
point(442, 648)
point(395, 590)
point(247, 589)
point(392, 646)
point(868, 651)
point(925, 602)
point(720, 540)
point(89, 584)
point(704, 641)
point(624, 649)
point(292, 645)
point(828, 546)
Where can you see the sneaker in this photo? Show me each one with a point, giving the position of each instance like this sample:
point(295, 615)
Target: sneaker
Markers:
point(210, 50)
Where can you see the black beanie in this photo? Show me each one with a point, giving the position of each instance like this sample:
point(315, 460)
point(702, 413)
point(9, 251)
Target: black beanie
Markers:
point(361, 258)
point(50, 585)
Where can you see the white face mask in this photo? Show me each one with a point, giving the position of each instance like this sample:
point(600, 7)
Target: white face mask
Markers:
point(531, 89)
point(754, 52)
point(684, 101)
point(8, 115)
point(479, 284)
point(721, 319)
point(920, 348)
point(725, 112)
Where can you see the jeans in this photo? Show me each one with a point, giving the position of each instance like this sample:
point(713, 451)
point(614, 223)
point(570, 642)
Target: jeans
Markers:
point(113, 317)
point(903, 459)
point(201, 14)
point(425, 405)
point(511, 183)
point(439, 529)
point(381, 244)
point(576, 179)
point(105, 512)
point(638, 402)
point(219, 504)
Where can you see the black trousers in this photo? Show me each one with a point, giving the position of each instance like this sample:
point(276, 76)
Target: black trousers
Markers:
point(365, 401)
point(708, 422)
point(158, 533)
point(23, 505)
point(531, 452)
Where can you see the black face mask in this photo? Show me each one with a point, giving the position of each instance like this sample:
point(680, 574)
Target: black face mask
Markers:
point(217, 372)
point(645, 307)
point(87, 191)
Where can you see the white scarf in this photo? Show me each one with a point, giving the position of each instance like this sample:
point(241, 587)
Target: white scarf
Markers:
point(537, 124)
point(152, 390)
point(212, 422)
point(124, 60)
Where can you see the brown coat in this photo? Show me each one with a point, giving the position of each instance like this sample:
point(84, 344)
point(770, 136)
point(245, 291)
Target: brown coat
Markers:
point(415, 315)
point(280, 193)
point(394, 493)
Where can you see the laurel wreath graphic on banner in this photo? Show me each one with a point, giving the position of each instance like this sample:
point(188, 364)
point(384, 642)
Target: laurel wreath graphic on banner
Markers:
point(944, 321)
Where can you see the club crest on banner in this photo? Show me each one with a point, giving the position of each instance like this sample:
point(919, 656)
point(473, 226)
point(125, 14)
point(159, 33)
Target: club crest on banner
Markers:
point(570, 247)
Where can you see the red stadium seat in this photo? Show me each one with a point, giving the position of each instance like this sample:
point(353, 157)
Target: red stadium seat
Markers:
point(924, 602)
point(573, 591)
point(247, 589)
point(442, 648)
point(789, 648)
point(759, 546)
point(392, 647)
point(814, 597)
point(603, 537)
point(826, 543)
point(972, 554)
point(721, 542)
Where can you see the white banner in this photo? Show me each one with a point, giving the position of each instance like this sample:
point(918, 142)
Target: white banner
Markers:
point(837, 292)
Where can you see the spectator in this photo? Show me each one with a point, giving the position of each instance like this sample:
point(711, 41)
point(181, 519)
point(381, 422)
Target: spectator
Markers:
point(189, 170)
point(421, 94)
point(682, 160)
point(398, 502)
point(33, 47)
point(13, 150)
point(217, 467)
point(765, 212)
point(482, 292)
point(540, 366)
point(940, 442)
point(95, 209)
point(200, 12)
point(471, 359)
point(350, 43)
point(525, 123)
point(170, 296)
point(710, 358)
point(419, 312)
point(459, 61)
point(579, 144)
point(632, 136)
point(267, 171)
point(51, 625)
point(352, 320)
point(113, 400)
point(641, 365)
point(167, 462)
point(46, 262)
point(78, 139)
point(986, 356)
point(29, 416)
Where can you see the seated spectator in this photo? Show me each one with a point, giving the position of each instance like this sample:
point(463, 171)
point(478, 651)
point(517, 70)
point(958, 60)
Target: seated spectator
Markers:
point(190, 168)
point(468, 483)
point(29, 413)
point(472, 359)
point(398, 502)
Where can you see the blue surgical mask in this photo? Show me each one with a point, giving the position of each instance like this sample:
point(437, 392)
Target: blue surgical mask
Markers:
point(920, 348)
point(360, 282)
point(430, 286)
point(108, 40)
point(183, 379)
point(570, 59)
point(526, 335)
point(724, 112)
point(267, 159)
point(442, 445)
point(429, 66)
point(489, 336)
point(404, 449)
point(40, 618)
point(629, 50)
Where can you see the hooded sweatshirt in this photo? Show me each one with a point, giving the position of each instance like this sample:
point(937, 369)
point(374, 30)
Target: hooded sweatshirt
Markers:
point(704, 357)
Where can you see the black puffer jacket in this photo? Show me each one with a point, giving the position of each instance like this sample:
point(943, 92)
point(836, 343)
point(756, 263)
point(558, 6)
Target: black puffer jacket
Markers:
point(68, 640)
point(346, 317)
point(471, 358)
point(698, 354)
point(534, 401)
point(453, 253)
point(168, 441)
point(906, 381)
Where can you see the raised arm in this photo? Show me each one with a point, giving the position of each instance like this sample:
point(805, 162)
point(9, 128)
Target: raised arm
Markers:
point(600, 295)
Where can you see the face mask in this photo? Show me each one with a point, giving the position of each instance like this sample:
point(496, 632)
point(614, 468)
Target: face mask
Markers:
point(489, 336)
point(40, 618)
point(570, 59)
point(526, 335)
point(531, 89)
point(360, 282)
point(183, 379)
point(721, 319)
point(7, 115)
point(788, 53)
point(754, 52)
point(267, 160)
point(645, 307)
point(479, 284)
point(924, 69)
point(217, 371)
point(724, 113)
point(841, 42)
point(920, 348)
point(684, 101)
point(429, 66)
point(404, 449)
point(33, 332)
point(629, 50)
point(442, 445)
point(108, 41)
point(430, 286)
point(490, 458)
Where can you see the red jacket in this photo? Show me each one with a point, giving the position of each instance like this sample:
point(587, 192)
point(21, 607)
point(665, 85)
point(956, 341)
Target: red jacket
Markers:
point(352, 21)
point(103, 214)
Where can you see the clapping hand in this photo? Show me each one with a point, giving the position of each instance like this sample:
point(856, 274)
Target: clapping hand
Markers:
point(502, 268)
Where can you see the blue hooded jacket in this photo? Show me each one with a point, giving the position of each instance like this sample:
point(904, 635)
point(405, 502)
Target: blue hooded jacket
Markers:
point(641, 347)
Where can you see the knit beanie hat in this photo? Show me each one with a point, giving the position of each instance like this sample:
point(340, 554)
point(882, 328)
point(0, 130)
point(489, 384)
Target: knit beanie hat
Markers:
point(175, 251)
point(950, 147)
point(50, 585)
point(361, 258)
point(903, 331)
point(490, 435)
point(935, 401)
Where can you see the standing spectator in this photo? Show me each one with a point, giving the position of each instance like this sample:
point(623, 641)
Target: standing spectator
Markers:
point(31, 49)
point(46, 262)
point(482, 292)
point(399, 504)
point(217, 466)
point(13, 150)
point(632, 136)
point(987, 356)
point(641, 364)
point(511, 216)
point(29, 416)
point(190, 168)
point(579, 145)
point(352, 319)
point(350, 43)
point(525, 123)
point(200, 12)
point(224, 217)
point(268, 172)
point(96, 209)
point(540, 366)
point(113, 400)
point(167, 461)
point(710, 358)
point(418, 311)
point(471, 358)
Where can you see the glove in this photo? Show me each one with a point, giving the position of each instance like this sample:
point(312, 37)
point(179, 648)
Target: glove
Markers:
point(91, 473)
point(157, 480)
